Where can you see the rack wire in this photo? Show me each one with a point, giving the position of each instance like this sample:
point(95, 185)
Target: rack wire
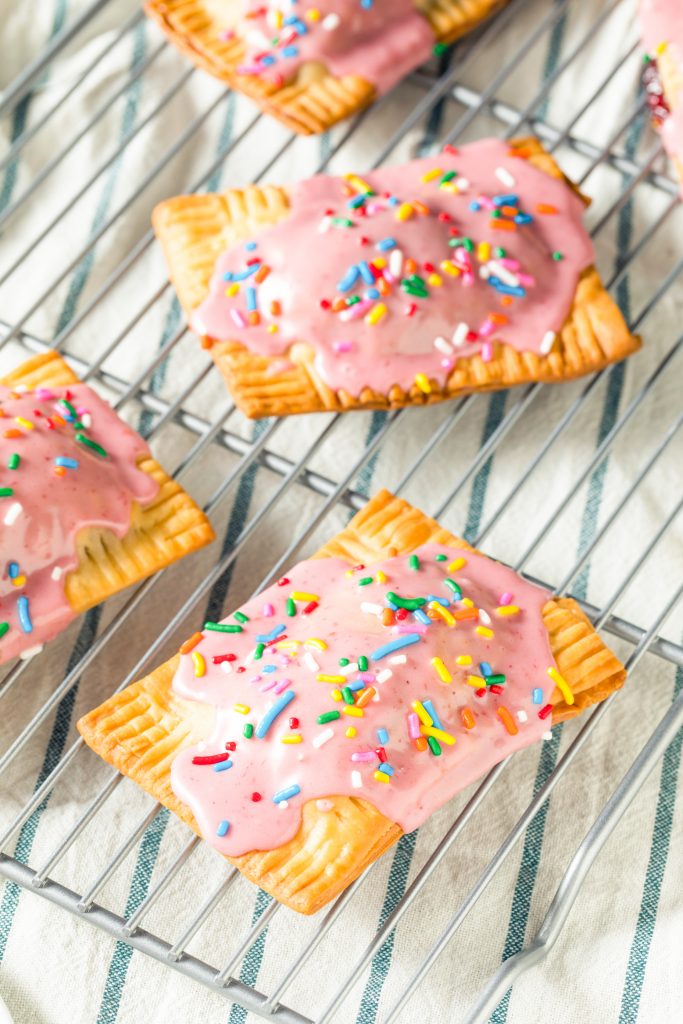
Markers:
point(291, 468)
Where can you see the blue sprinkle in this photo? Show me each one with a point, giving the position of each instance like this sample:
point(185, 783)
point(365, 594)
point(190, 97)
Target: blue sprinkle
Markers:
point(24, 614)
point(372, 293)
point(62, 460)
point(365, 272)
point(486, 669)
point(267, 60)
point(13, 570)
point(349, 279)
point(505, 289)
point(357, 201)
point(301, 27)
point(223, 828)
point(366, 4)
point(443, 601)
point(523, 218)
point(357, 684)
point(222, 766)
point(393, 201)
point(241, 275)
point(385, 768)
point(285, 794)
point(537, 695)
point(252, 302)
point(506, 200)
point(383, 735)
point(269, 668)
point(475, 206)
point(290, 51)
point(270, 715)
point(291, 19)
point(264, 638)
point(395, 645)
point(250, 246)
point(386, 243)
point(429, 706)
point(422, 617)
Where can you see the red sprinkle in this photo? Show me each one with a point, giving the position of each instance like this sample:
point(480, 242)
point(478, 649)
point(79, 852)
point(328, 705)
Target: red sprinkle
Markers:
point(256, 797)
point(218, 658)
point(481, 692)
point(401, 614)
point(231, 745)
point(445, 217)
point(283, 581)
point(240, 669)
point(545, 711)
point(450, 149)
point(275, 640)
point(210, 759)
point(496, 689)
point(364, 240)
point(294, 723)
point(429, 267)
point(381, 753)
point(411, 310)
point(310, 607)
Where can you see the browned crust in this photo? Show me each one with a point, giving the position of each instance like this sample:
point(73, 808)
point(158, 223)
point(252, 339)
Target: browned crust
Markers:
point(195, 230)
point(141, 730)
point(160, 533)
point(315, 100)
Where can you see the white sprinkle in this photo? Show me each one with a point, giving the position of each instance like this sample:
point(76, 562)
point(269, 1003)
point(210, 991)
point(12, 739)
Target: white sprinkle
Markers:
point(395, 262)
point(201, 745)
point(522, 716)
point(503, 274)
point(484, 272)
point(256, 39)
point(484, 617)
point(504, 175)
point(20, 388)
point(347, 670)
point(356, 780)
point(31, 652)
point(283, 804)
point(462, 184)
point(322, 737)
point(398, 659)
point(12, 513)
point(225, 667)
point(86, 420)
point(382, 676)
point(310, 662)
point(547, 736)
point(443, 345)
point(460, 334)
point(371, 609)
point(330, 22)
point(325, 225)
point(547, 342)
point(56, 573)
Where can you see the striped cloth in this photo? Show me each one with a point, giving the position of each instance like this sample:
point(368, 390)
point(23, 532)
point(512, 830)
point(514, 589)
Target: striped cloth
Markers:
point(619, 956)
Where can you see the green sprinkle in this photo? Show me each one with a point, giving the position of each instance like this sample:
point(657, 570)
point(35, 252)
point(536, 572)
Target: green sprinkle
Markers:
point(496, 214)
point(93, 445)
point(248, 731)
point(411, 603)
point(442, 558)
point(69, 406)
point(434, 746)
point(352, 300)
point(439, 48)
point(343, 662)
point(291, 607)
point(6, 492)
point(13, 461)
point(362, 663)
point(468, 244)
point(342, 222)
point(495, 680)
point(448, 176)
point(452, 585)
point(241, 617)
point(4, 628)
point(499, 252)
point(414, 563)
point(258, 653)
point(558, 256)
point(364, 581)
point(347, 694)
point(220, 627)
point(328, 716)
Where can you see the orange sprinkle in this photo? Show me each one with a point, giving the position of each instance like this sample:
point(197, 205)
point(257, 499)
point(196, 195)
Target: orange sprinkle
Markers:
point(387, 617)
point(190, 643)
point(466, 613)
point(254, 317)
point(59, 420)
point(468, 719)
point(383, 286)
point(420, 207)
point(507, 720)
point(13, 433)
point(498, 318)
point(59, 471)
point(421, 743)
point(509, 211)
point(262, 273)
point(275, 308)
point(338, 305)
point(366, 696)
point(545, 208)
point(506, 300)
point(410, 266)
point(502, 225)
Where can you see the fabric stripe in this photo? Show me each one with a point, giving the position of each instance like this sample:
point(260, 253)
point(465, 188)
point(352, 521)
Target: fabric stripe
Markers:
point(251, 964)
point(654, 876)
point(533, 839)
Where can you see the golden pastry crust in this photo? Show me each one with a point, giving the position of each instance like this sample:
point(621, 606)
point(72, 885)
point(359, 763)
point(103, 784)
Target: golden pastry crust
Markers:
point(315, 100)
point(195, 230)
point(141, 730)
point(160, 533)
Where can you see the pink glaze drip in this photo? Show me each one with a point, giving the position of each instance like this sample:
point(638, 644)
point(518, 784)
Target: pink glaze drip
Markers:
point(348, 620)
point(380, 43)
point(39, 537)
point(308, 257)
point(662, 25)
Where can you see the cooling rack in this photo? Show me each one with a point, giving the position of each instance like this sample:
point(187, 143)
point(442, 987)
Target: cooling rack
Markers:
point(477, 464)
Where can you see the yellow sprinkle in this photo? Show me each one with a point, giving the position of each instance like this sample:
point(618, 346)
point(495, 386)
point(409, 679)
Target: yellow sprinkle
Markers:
point(483, 252)
point(441, 670)
point(241, 709)
point(422, 382)
point(313, 641)
point(272, 328)
point(300, 595)
point(349, 572)
point(467, 601)
point(199, 664)
point(450, 186)
point(380, 577)
point(422, 713)
point(286, 645)
point(24, 422)
point(18, 581)
point(404, 212)
point(463, 659)
point(323, 678)
point(358, 183)
point(380, 262)
point(231, 290)
point(376, 314)
point(561, 684)
point(355, 712)
point(350, 732)
point(435, 172)
point(476, 681)
point(442, 612)
point(435, 281)
point(450, 268)
point(507, 609)
point(457, 563)
point(380, 777)
point(661, 47)
point(313, 14)
point(438, 734)
point(484, 631)
point(294, 738)
point(336, 694)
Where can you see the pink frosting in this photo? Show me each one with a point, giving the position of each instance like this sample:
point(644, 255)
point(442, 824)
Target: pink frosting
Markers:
point(49, 504)
point(339, 614)
point(514, 282)
point(662, 26)
point(380, 40)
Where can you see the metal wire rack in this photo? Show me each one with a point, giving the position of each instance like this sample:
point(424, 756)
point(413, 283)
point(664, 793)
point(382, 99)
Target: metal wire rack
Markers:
point(297, 496)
